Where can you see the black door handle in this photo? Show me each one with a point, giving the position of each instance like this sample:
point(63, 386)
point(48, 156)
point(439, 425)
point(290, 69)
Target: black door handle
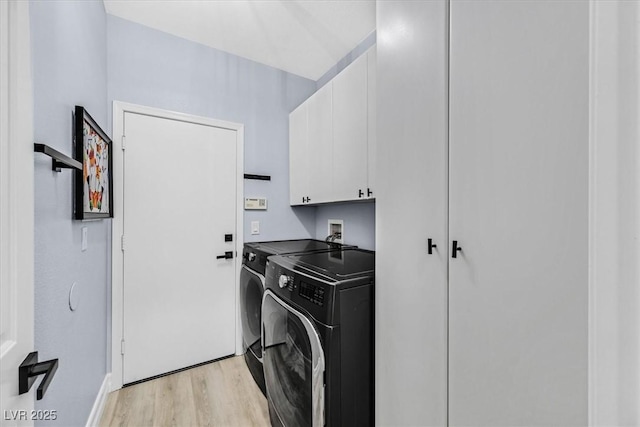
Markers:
point(455, 249)
point(430, 246)
point(29, 369)
point(369, 192)
point(227, 255)
point(360, 193)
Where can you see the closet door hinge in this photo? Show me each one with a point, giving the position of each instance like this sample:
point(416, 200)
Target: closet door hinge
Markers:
point(124, 142)
point(122, 243)
point(122, 347)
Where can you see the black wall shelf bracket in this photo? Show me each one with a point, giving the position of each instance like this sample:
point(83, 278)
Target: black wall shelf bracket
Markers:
point(30, 368)
point(258, 177)
point(59, 160)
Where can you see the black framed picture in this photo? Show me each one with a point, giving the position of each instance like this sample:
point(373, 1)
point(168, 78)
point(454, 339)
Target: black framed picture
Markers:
point(94, 183)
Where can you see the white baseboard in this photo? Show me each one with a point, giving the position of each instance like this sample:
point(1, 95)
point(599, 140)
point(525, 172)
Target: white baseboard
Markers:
point(98, 405)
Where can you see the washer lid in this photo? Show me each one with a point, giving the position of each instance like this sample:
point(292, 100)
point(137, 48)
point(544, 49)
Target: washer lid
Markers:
point(292, 246)
point(342, 264)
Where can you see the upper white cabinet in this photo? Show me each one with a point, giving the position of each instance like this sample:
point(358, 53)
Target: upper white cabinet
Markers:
point(483, 143)
point(320, 147)
point(332, 161)
point(372, 67)
point(350, 131)
point(298, 156)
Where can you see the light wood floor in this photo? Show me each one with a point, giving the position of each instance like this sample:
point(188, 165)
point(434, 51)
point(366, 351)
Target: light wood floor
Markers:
point(217, 394)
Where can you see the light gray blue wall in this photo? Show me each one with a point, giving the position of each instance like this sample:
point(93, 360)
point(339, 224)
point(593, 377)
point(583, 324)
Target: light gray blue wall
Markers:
point(152, 68)
point(69, 67)
point(359, 217)
point(359, 222)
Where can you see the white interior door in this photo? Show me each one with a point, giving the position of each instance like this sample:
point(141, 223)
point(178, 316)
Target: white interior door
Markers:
point(16, 212)
point(518, 290)
point(179, 202)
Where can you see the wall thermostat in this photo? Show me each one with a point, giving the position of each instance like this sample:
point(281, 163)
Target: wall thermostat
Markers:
point(256, 203)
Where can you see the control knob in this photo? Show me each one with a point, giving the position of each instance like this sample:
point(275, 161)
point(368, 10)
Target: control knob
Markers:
point(250, 256)
point(284, 281)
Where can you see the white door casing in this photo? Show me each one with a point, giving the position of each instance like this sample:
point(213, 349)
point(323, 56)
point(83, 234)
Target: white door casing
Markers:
point(16, 209)
point(124, 115)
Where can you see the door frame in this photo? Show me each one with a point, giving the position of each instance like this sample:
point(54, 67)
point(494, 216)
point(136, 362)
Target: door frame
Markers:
point(117, 257)
point(17, 201)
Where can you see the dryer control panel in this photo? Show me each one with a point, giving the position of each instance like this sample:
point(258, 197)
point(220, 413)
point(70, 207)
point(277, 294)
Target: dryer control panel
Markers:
point(311, 292)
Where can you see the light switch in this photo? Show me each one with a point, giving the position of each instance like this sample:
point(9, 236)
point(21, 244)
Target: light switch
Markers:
point(84, 238)
point(255, 227)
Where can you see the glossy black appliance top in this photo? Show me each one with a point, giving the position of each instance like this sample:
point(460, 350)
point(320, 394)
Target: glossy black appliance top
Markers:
point(339, 264)
point(255, 254)
point(336, 265)
point(291, 246)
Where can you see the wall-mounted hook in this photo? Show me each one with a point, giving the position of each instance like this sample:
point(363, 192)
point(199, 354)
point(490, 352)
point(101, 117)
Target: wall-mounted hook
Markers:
point(30, 368)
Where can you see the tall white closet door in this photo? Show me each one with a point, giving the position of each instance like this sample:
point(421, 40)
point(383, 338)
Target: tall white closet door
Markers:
point(411, 285)
point(518, 208)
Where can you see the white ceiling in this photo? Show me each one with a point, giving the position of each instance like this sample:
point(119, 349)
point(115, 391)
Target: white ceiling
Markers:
point(303, 37)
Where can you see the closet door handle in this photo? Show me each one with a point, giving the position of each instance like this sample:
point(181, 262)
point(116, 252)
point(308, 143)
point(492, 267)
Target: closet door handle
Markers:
point(455, 248)
point(430, 246)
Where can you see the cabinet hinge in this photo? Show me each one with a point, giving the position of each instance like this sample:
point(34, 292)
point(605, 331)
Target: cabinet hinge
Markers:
point(124, 142)
point(122, 243)
point(122, 347)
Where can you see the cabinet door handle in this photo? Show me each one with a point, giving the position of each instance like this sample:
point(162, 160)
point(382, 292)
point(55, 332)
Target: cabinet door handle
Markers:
point(360, 193)
point(369, 193)
point(455, 249)
point(430, 246)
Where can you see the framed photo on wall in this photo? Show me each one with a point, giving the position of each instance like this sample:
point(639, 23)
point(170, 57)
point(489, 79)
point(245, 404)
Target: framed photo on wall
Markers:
point(94, 183)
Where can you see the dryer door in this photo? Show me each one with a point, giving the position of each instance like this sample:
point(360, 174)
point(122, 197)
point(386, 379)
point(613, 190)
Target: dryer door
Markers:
point(293, 364)
point(251, 292)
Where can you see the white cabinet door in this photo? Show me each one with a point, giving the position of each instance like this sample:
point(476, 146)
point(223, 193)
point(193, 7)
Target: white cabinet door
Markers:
point(298, 155)
point(350, 132)
point(411, 194)
point(519, 143)
point(320, 139)
point(371, 121)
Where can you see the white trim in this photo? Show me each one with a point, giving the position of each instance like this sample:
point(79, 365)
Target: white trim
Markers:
point(119, 109)
point(98, 405)
point(16, 200)
point(591, 323)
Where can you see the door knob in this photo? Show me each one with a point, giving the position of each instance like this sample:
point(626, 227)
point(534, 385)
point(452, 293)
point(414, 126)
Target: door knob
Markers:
point(430, 246)
point(455, 249)
point(227, 255)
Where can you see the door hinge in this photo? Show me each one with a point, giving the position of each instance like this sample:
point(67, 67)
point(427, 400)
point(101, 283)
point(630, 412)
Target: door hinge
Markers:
point(124, 142)
point(122, 243)
point(122, 347)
